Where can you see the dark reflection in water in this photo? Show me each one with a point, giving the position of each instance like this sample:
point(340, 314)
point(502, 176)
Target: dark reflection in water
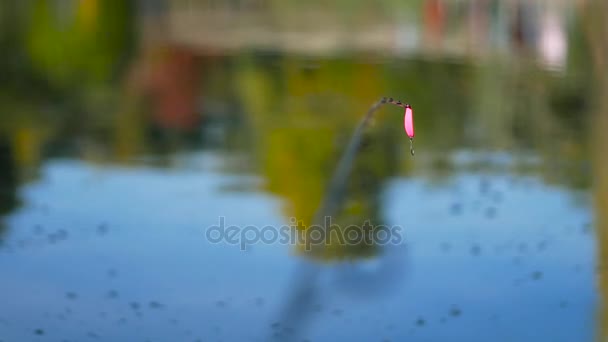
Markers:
point(128, 129)
point(8, 179)
point(8, 183)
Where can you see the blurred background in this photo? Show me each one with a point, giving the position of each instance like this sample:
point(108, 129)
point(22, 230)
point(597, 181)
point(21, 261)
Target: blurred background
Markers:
point(127, 128)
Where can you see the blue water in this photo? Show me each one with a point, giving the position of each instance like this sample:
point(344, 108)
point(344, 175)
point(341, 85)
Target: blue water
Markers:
point(120, 254)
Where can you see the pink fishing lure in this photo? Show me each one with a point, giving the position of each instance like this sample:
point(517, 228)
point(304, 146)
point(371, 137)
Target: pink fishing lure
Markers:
point(408, 121)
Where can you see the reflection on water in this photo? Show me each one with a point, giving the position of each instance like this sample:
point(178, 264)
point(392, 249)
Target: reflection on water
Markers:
point(127, 130)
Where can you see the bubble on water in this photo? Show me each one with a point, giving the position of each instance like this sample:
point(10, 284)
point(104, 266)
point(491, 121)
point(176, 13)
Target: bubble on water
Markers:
point(456, 208)
point(484, 186)
point(586, 228)
point(475, 250)
point(52, 238)
point(490, 212)
point(455, 311)
point(38, 229)
point(112, 294)
point(102, 229)
point(155, 305)
point(497, 197)
point(112, 273)
point(420, 322)
point(259, 301)
point(541, 245)
point(523, 247)
point(537, 275)
point(61, 234)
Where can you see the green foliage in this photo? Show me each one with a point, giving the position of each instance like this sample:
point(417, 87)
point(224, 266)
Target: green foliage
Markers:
point(83, 44)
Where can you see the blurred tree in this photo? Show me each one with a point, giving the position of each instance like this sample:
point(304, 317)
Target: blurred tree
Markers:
point(79, 43)
point(595, 26)
point(299, 143)
point(59, 59)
